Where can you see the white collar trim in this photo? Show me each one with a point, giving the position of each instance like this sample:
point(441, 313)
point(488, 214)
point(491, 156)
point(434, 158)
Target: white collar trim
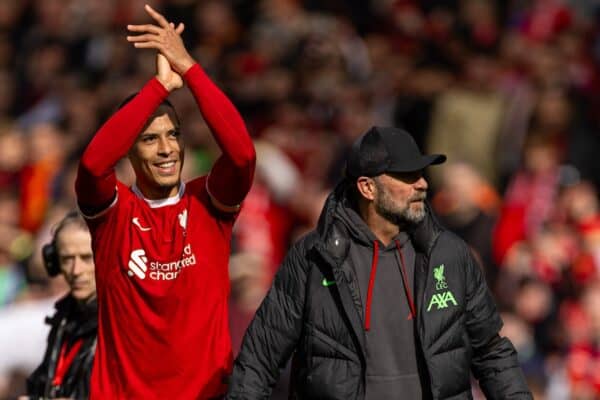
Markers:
point(168, 201)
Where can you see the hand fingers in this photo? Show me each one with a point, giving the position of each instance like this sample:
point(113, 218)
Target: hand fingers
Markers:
point(160, 57)
point(141, 38)
point(144, 28)
point(157, 17)
point(180, 28)
point(148, 45)
point(162, 62)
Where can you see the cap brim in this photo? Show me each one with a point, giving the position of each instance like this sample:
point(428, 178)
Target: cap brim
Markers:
point(435, 159)
point(422, 163)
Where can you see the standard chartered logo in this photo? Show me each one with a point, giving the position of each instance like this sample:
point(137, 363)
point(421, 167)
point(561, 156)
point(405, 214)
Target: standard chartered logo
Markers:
point(158, 270)
point(137, 264)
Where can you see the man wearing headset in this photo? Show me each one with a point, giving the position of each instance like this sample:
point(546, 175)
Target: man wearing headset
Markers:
point(67, 364)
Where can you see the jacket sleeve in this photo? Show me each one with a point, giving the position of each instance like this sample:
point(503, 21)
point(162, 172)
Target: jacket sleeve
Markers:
point(273, 333)
point(495, 362)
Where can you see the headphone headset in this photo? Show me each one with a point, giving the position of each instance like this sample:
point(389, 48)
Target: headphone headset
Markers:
point(50, 250)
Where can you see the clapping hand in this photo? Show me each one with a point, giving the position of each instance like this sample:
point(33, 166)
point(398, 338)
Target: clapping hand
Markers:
point(166, 38)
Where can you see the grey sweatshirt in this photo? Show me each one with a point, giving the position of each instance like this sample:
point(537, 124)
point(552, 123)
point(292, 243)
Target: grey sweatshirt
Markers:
point(391, 352)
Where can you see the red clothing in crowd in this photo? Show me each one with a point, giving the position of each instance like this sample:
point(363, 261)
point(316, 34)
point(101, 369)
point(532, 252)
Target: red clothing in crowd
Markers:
point(528, 203)
point(162, 265)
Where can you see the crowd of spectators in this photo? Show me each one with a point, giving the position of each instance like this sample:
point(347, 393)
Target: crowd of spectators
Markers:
point(509, 90)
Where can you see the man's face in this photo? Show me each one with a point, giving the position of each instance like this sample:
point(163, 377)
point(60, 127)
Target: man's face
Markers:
point(157, 158)
point(400, 197)
point(74, 246)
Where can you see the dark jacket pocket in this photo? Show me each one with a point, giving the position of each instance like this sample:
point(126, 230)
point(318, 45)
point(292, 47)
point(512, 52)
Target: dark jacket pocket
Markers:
point(326, 346)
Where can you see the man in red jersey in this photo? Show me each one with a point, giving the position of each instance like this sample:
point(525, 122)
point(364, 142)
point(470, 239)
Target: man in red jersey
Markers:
point(162, 246)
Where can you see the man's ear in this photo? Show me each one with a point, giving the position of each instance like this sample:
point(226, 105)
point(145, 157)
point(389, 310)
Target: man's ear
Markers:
point(366, 187)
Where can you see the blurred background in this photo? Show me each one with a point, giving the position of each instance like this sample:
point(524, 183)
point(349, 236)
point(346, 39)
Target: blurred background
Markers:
point(509, 90)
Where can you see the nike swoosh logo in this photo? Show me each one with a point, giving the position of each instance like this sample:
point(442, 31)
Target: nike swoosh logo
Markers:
point(326, 283)
point(136, 222)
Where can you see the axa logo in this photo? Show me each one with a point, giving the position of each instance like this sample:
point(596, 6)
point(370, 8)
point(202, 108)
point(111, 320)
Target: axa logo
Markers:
point(137, 264)
point(441, 300)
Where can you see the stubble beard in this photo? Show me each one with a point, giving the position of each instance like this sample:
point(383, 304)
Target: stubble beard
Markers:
point(401, 216)
point(166, 185)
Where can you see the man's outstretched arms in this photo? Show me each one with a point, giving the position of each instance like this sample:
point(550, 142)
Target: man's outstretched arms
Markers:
point(231, 176)
point(96, 181)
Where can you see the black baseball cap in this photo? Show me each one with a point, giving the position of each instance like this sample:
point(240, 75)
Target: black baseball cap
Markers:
point(387, 149)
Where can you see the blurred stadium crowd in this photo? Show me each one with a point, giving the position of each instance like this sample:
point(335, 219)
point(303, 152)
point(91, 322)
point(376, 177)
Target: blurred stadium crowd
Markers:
point(509, 90)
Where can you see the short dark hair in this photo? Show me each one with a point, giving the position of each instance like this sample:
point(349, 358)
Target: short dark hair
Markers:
point(164, 103)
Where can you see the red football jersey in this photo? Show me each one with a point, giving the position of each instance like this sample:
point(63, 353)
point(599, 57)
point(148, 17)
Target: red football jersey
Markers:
point(162, 266)
point(163, 286)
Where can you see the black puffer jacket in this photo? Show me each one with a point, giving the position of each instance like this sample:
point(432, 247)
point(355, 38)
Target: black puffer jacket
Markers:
point(321, 325)
point(71, 322)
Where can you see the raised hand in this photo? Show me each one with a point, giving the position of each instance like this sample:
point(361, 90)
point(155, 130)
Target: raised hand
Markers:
point(164, 37)
point(170, 79)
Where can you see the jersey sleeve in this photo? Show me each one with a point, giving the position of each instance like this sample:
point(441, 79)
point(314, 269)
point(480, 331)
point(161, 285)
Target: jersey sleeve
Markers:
point(96, 181)
point(231, 176)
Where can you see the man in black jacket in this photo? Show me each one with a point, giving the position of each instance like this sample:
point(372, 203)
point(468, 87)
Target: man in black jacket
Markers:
point(67, 364)
point(379, 302)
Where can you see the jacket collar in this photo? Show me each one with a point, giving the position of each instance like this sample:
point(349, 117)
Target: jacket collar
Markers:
point(336, 239)
point(83, 318)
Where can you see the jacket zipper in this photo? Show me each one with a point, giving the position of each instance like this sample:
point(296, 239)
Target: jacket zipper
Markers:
point(51, 391)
